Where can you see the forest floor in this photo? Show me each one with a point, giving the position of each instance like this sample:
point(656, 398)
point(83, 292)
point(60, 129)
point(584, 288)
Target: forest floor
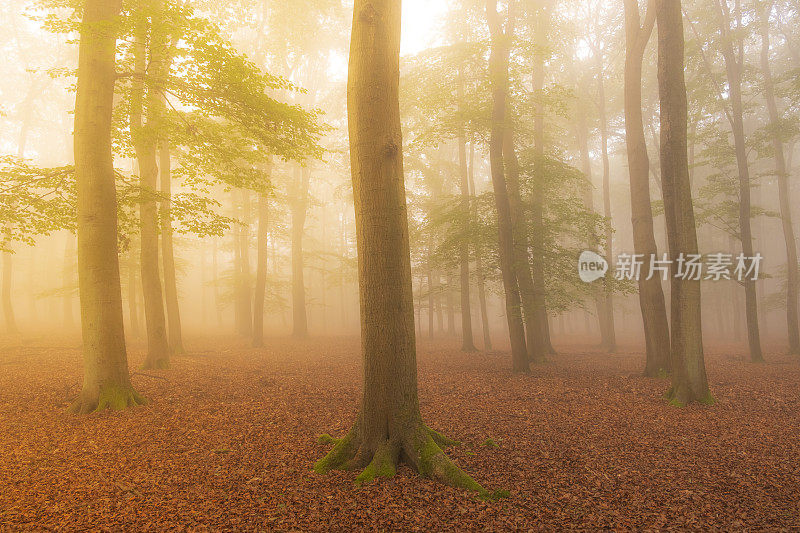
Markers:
point(230, 436)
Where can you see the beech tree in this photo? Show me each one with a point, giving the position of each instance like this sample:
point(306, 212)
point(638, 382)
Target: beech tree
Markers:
point(651, 294)
point(389, 426)
point(689, 381)
point(106, 381)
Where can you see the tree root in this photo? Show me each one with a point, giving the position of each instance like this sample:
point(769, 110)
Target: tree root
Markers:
point(114, 399)
point(419, 447)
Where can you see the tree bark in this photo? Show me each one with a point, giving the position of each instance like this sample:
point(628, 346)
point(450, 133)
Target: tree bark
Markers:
point(607, 328)
point(651, 294)
point(784, 197)
point(478, 250)
point(733, 67)
point(175, 333)
point(261, 270)
point(498, 73)
point(299, 209)
point(106, 381)
point(145, 141)
point(389, 427)
point(689, 381)
point(467, 341)
point(68, 280)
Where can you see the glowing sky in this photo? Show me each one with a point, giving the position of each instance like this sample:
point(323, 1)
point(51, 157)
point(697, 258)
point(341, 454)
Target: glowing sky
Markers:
point(420, 22)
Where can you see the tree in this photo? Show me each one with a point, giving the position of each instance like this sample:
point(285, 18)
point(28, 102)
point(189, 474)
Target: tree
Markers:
point(498, 74)
point(106, 377)
point(175, 331)
point(389, 427)
point(689, 381)
point(734, 67)
point(146, 123)
point(651, 294)
point(783, 183)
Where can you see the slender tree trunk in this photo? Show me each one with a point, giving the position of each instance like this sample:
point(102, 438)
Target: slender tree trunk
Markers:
point(145, 141)
point(783, 188)
point(68, 280)
point(261, 271)
point(689, 381)
point(733, 67)
point(175, 333)
point(299, 207)
point(467, 342)
point(608, 330)
point(498, 73)
point(215, 281)
point(651, 294)
point(133, 307)
point(530, 306)
point(588, 201)
point(389, 426)
point(537, 201)
point(245, 297)
point(478, 250)
point(106, 379)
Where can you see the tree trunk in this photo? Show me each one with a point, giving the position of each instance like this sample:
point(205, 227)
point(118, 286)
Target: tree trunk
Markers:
point(467, 342)
point(389, 426)
point(299, 207)
point(733, 67)
point(67, 281)
point(244, 300)
point(261, 271)
point(783, 189)
point(133, 306)
point(689, 381)
point(607, 328)
point(145, 141)
point(537, 201)
point(651, 294)
point(498, 72)
point(106, 381)
point(175, 333)
point(478, 250)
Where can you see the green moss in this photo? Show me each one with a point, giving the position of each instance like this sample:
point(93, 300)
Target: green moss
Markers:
point(708, 399)
point(490, 443)
point(327, 439)
point(494, 495)
point(382, 465)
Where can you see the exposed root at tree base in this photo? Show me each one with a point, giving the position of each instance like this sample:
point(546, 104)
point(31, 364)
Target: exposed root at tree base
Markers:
point(420, 447)
point(114, 399)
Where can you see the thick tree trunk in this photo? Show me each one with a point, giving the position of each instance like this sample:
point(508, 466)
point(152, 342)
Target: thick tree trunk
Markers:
point(145, 141)
point(498, 73)
point(733, 68)
point(467, 342)
point(478, 250)
point(607, 328)
point(299, 208)
point(261, 271)
point(106, 382)
point(389, 426)
point(783, 188)
point(689, 381)
point(651, 294)
point(175, 332)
